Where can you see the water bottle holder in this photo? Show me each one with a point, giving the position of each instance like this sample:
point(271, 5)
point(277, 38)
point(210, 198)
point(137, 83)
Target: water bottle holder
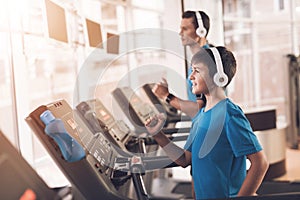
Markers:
point(68, 147)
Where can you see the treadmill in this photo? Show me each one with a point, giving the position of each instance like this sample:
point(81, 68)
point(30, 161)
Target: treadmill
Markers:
point(138, 111)
point(173, 115)
point(17, 176)
point(106, 171)
point(94, 113)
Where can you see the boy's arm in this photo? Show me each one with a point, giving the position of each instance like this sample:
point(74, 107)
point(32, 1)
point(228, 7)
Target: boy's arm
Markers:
point(180, 156)
point(177, 154)
point(255, 174)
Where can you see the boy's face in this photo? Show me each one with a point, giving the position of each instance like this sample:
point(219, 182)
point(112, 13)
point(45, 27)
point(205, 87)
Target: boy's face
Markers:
point(187, 32)
point(200, 79)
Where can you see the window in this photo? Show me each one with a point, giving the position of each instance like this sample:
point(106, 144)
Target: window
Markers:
point(261, 40)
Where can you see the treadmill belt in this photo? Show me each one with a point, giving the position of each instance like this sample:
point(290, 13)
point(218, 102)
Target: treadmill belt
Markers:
point(184, 188)
point(275, 187)
point(266, 188)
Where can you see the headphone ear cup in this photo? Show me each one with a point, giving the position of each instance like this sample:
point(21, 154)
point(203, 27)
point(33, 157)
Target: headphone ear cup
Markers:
point(220, 79)
point(201, 31)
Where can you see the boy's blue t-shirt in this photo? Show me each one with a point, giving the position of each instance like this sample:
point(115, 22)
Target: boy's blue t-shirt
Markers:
point(219, 141)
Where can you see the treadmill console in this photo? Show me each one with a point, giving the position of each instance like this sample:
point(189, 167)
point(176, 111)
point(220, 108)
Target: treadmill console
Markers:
point(100, 120)
point(93, 175)
point(136, 110)
point(170, 110)
point(173, 115)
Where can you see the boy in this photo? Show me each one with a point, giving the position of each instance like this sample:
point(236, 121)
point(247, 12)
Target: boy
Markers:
point(221, 137)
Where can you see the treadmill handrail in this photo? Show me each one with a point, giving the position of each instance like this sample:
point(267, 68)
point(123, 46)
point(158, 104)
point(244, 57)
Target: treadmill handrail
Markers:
point(176, 130)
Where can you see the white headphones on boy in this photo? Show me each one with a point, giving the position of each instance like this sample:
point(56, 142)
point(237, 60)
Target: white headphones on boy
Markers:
point(220, 78)
point(201, 30)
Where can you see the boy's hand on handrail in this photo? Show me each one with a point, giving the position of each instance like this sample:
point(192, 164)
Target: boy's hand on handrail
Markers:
point(155, 124)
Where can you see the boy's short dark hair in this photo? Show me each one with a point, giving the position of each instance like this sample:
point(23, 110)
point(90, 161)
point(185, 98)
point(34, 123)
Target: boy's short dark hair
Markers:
point(206, 57)
point(204, 17)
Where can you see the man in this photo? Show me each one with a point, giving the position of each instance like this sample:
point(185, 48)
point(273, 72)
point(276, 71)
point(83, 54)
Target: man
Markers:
point(194, 28)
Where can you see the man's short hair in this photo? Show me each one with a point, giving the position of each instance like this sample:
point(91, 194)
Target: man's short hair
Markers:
point(204, 17)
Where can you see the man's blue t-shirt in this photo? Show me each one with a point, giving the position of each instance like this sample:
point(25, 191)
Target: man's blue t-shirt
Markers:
point(219, 141)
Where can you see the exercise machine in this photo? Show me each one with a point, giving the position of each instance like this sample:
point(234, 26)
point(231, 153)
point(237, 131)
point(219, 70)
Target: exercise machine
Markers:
point(293, 101)
point(138, 111)
point(18, 177)
point(96, 114)
point(173, 115)
point(106, 171)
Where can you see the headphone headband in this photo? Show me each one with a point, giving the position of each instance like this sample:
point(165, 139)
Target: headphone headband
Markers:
point(201, 30)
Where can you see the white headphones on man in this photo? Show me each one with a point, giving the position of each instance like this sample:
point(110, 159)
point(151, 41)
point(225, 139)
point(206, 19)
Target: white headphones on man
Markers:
point(220, 78)
point(201, 30)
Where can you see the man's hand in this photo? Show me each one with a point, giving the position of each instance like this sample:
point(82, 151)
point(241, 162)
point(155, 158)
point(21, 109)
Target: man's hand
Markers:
point(155, 124)
point(161, 89)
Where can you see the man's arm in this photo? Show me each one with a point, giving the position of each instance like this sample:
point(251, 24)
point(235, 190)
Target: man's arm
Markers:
point(190, 108)
point(255, 175)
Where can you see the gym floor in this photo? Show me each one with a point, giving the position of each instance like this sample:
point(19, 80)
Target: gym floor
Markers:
point(292, 166)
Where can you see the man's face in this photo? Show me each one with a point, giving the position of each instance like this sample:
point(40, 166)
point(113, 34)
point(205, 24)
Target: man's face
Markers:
point(188, 32)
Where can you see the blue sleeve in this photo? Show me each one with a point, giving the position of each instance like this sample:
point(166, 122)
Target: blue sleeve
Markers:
point(242, 139)
point(188, 144)
point(193, 132)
